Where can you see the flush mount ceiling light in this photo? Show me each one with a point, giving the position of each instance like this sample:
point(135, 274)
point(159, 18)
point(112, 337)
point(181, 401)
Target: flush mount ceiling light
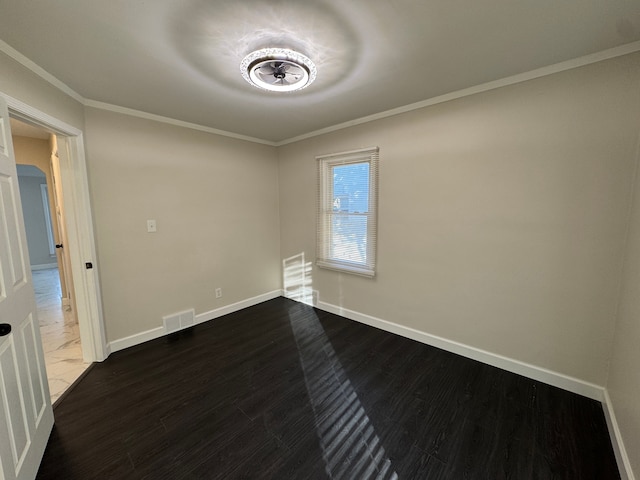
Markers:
point(278, 69)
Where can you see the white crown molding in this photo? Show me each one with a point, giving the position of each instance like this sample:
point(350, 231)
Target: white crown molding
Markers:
point(41, 72)
point(60, 85)
point(172, 121)
point(523, 77)
point(484, 87)
point(32, 115)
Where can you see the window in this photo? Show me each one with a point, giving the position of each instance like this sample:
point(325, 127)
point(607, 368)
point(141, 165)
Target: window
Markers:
point(347, 211)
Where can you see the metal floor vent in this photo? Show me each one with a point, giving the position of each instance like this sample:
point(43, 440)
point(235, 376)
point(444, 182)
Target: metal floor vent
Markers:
point(179, 321)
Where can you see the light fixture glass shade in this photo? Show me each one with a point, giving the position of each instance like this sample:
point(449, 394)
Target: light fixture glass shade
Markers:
point(278, 69)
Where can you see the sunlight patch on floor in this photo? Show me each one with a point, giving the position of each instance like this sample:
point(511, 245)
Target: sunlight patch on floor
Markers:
point(351, 449)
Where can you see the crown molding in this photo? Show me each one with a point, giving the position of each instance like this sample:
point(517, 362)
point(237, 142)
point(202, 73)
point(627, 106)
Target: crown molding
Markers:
point(514, 79)
point(172, 121)
point(29, 114)
point(41, 72)
point(63, 87)
point(484, 87)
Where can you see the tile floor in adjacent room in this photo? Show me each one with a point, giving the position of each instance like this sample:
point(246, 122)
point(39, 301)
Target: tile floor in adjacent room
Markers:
point(60, 333)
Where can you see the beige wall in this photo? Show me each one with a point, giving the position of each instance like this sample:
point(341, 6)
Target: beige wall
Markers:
point(22, 84)
point(624, 373)
point(502, 216)
point(37, 152)
point(215, 200)
point(502, 220)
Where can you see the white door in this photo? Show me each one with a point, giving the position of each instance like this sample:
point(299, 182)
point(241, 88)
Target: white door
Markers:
point(63, 250)
point(26, 416)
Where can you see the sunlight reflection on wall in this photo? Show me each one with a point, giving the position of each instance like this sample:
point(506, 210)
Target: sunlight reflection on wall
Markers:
point(350, 447)
point(297, 280)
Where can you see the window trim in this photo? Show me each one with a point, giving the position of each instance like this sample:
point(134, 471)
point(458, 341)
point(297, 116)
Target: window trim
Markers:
point(325, 211)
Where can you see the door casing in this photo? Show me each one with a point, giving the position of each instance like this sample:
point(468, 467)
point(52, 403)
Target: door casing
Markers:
point(79, 226)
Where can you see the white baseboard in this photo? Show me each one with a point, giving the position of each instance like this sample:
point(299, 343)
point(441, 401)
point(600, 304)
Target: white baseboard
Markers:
point(571, 384)
point(550, 377)
point(141, 337)
point(44, 266)
point(624, 464)
point(234, 307)
point(135, 339)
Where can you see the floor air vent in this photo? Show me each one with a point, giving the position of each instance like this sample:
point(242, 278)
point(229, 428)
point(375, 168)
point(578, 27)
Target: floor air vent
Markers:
point(178, 321)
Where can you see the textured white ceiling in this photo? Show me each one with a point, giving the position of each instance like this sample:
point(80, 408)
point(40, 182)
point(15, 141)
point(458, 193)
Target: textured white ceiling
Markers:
point(180, 58)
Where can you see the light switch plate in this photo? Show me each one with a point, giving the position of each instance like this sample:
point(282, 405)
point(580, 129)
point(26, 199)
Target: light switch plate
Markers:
point(151, 226)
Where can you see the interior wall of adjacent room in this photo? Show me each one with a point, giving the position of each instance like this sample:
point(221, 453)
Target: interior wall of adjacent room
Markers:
point(502, 216)
point(34, 219)
point(215, 201)
point(37, 152)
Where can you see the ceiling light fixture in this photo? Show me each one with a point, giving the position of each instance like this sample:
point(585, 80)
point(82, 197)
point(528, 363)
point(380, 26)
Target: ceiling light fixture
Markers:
point(278, 69)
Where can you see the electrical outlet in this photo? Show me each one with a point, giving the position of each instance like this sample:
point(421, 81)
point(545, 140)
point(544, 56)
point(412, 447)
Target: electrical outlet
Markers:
point(218, 292)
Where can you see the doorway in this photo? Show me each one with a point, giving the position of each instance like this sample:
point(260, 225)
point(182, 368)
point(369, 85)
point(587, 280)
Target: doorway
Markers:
point(43, 211)
point(79, 222)
point(80, 240)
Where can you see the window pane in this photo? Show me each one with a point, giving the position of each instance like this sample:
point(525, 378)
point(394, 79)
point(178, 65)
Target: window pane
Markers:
point(349, 238)
point(351, 188)
point(346, 216)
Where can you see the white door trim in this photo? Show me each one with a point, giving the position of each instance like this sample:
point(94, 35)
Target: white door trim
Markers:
point(75, 185)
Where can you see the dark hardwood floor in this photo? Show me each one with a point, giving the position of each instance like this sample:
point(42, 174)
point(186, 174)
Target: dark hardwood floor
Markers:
point(281, 390)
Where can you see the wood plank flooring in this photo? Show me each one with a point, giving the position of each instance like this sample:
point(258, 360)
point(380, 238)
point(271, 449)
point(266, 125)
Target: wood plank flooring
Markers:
point(284, 391)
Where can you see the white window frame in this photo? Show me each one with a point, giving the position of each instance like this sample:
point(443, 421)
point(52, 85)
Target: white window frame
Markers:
point(326, 163)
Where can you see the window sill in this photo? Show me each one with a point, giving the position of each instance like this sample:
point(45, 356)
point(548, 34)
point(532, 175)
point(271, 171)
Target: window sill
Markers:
point(346, 268)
